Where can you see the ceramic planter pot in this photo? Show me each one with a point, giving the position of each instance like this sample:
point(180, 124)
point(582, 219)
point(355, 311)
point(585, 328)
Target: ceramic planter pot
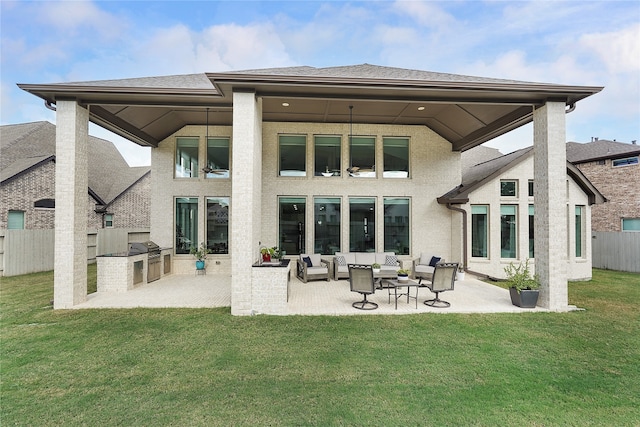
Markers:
point(526, 298)
point(199, 265)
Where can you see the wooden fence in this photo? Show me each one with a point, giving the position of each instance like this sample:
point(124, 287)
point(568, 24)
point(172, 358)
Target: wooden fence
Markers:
point(31, 251)
point(616, 251)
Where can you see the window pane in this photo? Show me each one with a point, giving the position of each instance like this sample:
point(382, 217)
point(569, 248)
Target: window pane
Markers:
point(508, 231)
point(508, 188)
point(362, 152)
point(292, 225)
point(579, 230)
point(396, 157)
point(327, 155)
point(396, 226)
point(326, 213)
point(187, 158)
point(186, 224)
point(293, 155)
point(218, 157)
point(15, 221)
point(362, 226)
point(530, 188)
point(218, 225)
point(531, 228)
point(108, 220)
point(625, 162)
point(631, 224)
point(479, 231)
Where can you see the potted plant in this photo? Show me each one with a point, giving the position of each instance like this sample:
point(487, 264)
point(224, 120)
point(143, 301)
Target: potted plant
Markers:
point(403, 275)
point(460, 273)
point(200, 254)
point(523, 287)
point(268, 253)
point(376, 267)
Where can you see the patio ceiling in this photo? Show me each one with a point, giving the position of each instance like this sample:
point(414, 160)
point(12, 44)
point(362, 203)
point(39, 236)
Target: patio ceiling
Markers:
point(466, 111)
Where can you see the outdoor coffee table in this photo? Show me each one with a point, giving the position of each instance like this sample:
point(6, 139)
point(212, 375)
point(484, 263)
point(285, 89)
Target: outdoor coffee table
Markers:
point(395, 284)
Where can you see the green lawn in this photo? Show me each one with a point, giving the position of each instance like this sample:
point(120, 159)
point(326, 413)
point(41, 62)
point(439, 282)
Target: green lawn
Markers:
point(190, 367)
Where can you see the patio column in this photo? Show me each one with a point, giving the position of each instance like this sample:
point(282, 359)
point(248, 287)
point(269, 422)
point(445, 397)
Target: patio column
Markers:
point(246, 197)
point(550, 192)
point(70, 258)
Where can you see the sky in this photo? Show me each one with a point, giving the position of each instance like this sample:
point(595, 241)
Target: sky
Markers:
point(590, 43)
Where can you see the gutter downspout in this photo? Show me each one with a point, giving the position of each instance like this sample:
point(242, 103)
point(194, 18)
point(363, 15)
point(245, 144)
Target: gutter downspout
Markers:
point(464, 233)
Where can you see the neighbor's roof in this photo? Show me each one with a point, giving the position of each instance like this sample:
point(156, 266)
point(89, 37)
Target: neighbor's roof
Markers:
point(482, 173)
point(25, 146)
point(465, 110)
point(599, 150)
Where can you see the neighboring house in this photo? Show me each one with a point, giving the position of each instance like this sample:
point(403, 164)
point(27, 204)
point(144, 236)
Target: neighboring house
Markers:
point(117, 195)
point(497, 197)
point(613, 167)
point(311, 159)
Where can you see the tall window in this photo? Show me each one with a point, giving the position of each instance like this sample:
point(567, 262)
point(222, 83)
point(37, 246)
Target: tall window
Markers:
point(293, 155)
point(362, 224)
point(186, 158)
point(508, 188)
point(362, 155)
point(218, 158)
point(186, 224)
point(396, 157)
point(292, 225)
point(530, 188)
point(508, 231)
point(531, 228)
point(396, 225)
point(479, 231)
point(580, 231)
point(326, 216)
point(328, 150)
point(218, 225)
point(15, 221)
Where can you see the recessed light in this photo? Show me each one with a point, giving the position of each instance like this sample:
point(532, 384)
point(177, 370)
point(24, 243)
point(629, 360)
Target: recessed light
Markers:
point(285, 104)
point(420, 108)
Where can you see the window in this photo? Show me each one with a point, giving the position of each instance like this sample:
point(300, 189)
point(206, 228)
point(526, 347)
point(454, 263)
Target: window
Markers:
point(186, 224)
point(218, 225)
point(108, 220)
point(508, 231)
point(362, 154)
point(326, 215)
point(292, 225)
point(530, 188)
point(362, 224)
point(508, 188)
point(630, 224)
point(293, 155)
point(531, 228)
point(187, 157)
point(396, 157)
point(625, 162)
point(218, 158)
point(45, 204)
point(396, 225)
point(15, 221)
point(328, 151)
point(479, 231)
point(580, 229)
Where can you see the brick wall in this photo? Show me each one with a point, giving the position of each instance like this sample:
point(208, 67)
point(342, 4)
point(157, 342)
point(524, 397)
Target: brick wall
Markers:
point(131, 209)
point(621, 186)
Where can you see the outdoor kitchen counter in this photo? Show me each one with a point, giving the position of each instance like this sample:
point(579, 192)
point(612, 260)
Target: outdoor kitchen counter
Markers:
point(270, 287)
point(121, 272)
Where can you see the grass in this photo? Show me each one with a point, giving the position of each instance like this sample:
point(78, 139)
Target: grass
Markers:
point(203, 367)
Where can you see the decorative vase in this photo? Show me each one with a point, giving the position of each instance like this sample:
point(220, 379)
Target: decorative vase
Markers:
point(200, 265)
point(460, 275)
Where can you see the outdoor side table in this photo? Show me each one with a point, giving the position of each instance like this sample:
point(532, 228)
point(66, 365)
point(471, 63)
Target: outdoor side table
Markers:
point(395, 284)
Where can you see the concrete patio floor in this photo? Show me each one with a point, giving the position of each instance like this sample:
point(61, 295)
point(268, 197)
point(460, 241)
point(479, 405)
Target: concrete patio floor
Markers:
point(313, 298)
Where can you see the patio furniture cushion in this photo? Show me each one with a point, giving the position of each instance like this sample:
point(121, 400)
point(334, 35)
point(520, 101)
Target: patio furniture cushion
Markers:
point(365, 258)
point(307, 260)
point(391, 260)
point(341, 261)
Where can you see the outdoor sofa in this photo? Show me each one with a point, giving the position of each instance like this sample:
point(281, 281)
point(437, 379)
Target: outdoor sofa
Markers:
point(388, 262)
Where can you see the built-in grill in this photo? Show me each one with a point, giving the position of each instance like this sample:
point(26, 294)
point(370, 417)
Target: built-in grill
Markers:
point(153, 263)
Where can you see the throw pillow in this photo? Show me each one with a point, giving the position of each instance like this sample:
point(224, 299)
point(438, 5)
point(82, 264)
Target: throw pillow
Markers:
point(434, 261)
point(391, 260)
point(307, 261)
point(342, 261)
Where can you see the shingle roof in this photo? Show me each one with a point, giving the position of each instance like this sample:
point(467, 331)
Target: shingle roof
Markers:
point(26, 145)
point(477, 155)
point(598, 150)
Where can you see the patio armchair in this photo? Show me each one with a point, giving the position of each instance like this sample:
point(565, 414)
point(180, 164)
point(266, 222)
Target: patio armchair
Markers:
point(312, 267)
point(444, 276)
point(424, 266)
point(361, 281)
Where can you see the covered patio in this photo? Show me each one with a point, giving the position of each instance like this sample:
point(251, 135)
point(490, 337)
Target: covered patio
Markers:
point(313, 298)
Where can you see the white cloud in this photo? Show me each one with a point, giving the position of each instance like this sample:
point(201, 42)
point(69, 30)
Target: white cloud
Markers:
point(619, 50)
point(426, 13)
point(81, 18)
